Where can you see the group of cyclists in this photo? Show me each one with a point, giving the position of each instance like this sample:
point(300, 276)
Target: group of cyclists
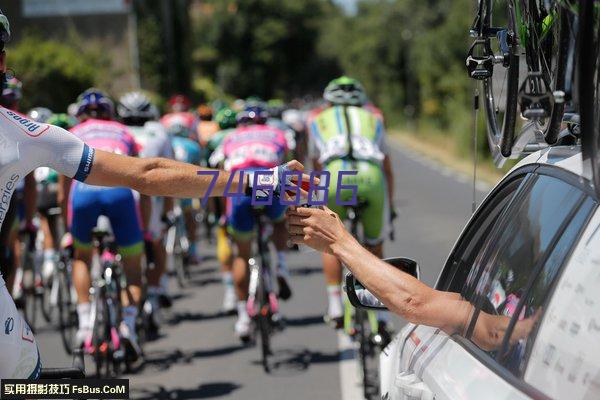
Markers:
point(83, 173)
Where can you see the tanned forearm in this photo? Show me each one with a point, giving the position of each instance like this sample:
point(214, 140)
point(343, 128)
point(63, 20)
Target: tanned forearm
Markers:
point(402, 293)
point(157, 176)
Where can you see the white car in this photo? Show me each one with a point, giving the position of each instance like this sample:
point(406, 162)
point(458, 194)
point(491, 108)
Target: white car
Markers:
point(531, 249)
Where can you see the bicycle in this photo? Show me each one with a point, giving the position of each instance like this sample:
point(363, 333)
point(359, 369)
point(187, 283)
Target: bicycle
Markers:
point(28, 277)
point(262, 304)
point(77, 371)
point(360, 324)
point(543, 34)
point(177, 246)
point(107, 283)
point(64, 296)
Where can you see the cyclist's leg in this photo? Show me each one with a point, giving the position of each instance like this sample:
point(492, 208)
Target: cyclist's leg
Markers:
point(332, 268)
point(19, 355)
point(276, 213)
point(156, 292)
point(241, 226)
point(373, 220)
point(225, 258)
point(120, 207)
point(187, 205)
point(84, 208)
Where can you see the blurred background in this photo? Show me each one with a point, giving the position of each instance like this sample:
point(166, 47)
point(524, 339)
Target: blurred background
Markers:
point(408, 54)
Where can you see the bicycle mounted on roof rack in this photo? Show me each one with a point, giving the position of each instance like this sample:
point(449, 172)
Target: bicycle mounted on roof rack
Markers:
point(543, 34)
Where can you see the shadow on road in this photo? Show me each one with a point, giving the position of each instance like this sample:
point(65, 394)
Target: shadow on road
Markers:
point(305, 320)
point(187, 316)
point(204, 391)
point(164, 360)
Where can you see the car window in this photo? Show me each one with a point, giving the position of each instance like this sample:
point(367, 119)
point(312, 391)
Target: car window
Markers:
point(517, 347)
point(461, 266)
point(520, 248)
point(565, 359)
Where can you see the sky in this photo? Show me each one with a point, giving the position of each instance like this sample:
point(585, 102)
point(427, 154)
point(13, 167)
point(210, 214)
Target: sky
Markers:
point(348, 5)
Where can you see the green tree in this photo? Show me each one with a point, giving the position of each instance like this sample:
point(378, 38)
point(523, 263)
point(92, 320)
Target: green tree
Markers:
point(53, 73)
point(263, 47)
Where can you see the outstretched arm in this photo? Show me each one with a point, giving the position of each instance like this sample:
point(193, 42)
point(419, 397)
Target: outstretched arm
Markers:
point(160, 176)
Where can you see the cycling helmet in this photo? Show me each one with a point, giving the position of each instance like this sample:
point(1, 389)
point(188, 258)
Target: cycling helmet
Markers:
point(253, 115)
point(179, 124)
point(64, 121)
point(4, 28)
point(40, 114)
point(205, 112)
point(179, 103)
point(12, 91)
point(95, 103)
point(135, 108)
point(226, 118)
point(345, 91)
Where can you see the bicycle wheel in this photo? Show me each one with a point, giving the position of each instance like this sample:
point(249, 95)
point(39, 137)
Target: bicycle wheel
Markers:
point(547, 38)
point(365, 353)
point(30, 298)
point(47, 307)
point(501, 89)
point(589, 86)
point(264, 324)
point(67, 313)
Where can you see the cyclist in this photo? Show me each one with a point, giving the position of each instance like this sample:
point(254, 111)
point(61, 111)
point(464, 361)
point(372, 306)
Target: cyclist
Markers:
point(345, 136)
point(45, 145)
point(226, 118)
point(179, 103)
point(206, 127)
point(141, 116)
point(253, 145)
point(86, 203)
point(179, 126)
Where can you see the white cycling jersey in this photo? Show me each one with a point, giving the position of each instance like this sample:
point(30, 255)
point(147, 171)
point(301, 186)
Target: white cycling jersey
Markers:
point(24, 146)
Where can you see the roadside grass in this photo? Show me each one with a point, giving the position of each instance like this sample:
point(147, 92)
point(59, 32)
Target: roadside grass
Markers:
point(445, 150)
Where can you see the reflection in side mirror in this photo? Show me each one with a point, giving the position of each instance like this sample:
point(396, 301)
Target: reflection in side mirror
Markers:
point(360, 297)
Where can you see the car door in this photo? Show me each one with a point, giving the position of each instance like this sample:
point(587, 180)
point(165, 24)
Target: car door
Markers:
point(417, 343)
point(505, 269)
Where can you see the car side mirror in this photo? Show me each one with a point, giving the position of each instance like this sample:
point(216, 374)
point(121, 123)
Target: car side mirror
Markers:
point(361, 297)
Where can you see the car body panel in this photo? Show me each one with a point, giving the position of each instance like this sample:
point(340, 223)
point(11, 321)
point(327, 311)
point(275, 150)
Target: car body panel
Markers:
point(438, 366)
point(565, 360)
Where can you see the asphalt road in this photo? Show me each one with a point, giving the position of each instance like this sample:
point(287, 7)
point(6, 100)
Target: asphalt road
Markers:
point(198, 356)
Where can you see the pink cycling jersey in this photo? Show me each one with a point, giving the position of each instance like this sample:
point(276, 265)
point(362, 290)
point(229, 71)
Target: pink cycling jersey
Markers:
point(255, 146)
point(108, 136)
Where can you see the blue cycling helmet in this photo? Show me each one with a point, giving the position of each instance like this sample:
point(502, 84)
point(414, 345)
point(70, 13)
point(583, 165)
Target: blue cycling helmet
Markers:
point(253, 115)
point(95, 104)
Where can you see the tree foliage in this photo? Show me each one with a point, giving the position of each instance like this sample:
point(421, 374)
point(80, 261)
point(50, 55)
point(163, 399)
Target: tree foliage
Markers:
point(54, 73)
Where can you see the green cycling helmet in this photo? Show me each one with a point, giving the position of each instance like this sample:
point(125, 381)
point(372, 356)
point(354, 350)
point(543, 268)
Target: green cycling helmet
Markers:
point(64, 121)
point(345, 91)
point(226, 118)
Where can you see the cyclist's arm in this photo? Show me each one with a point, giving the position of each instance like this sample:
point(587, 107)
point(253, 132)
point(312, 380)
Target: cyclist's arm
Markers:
point(162, 177)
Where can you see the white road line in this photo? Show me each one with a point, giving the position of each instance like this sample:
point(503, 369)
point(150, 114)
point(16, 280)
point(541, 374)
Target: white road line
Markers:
point(350, 380)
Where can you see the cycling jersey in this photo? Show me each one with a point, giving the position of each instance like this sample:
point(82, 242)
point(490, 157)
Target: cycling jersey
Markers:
point(251, 148)
point(254, 147)
point(364, 153)
point(180, 124)
point(24, 146)
point(154, 142)
point(188, 151)
point(332, 128)
point(88, 202)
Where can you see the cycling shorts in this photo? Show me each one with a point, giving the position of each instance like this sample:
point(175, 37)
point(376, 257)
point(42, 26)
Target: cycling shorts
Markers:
point(371, 188)
point(240, 218)
point(88, 202)
point(19, 355)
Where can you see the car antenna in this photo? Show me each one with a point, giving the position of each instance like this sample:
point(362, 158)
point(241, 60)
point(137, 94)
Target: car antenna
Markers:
point(475, 120)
